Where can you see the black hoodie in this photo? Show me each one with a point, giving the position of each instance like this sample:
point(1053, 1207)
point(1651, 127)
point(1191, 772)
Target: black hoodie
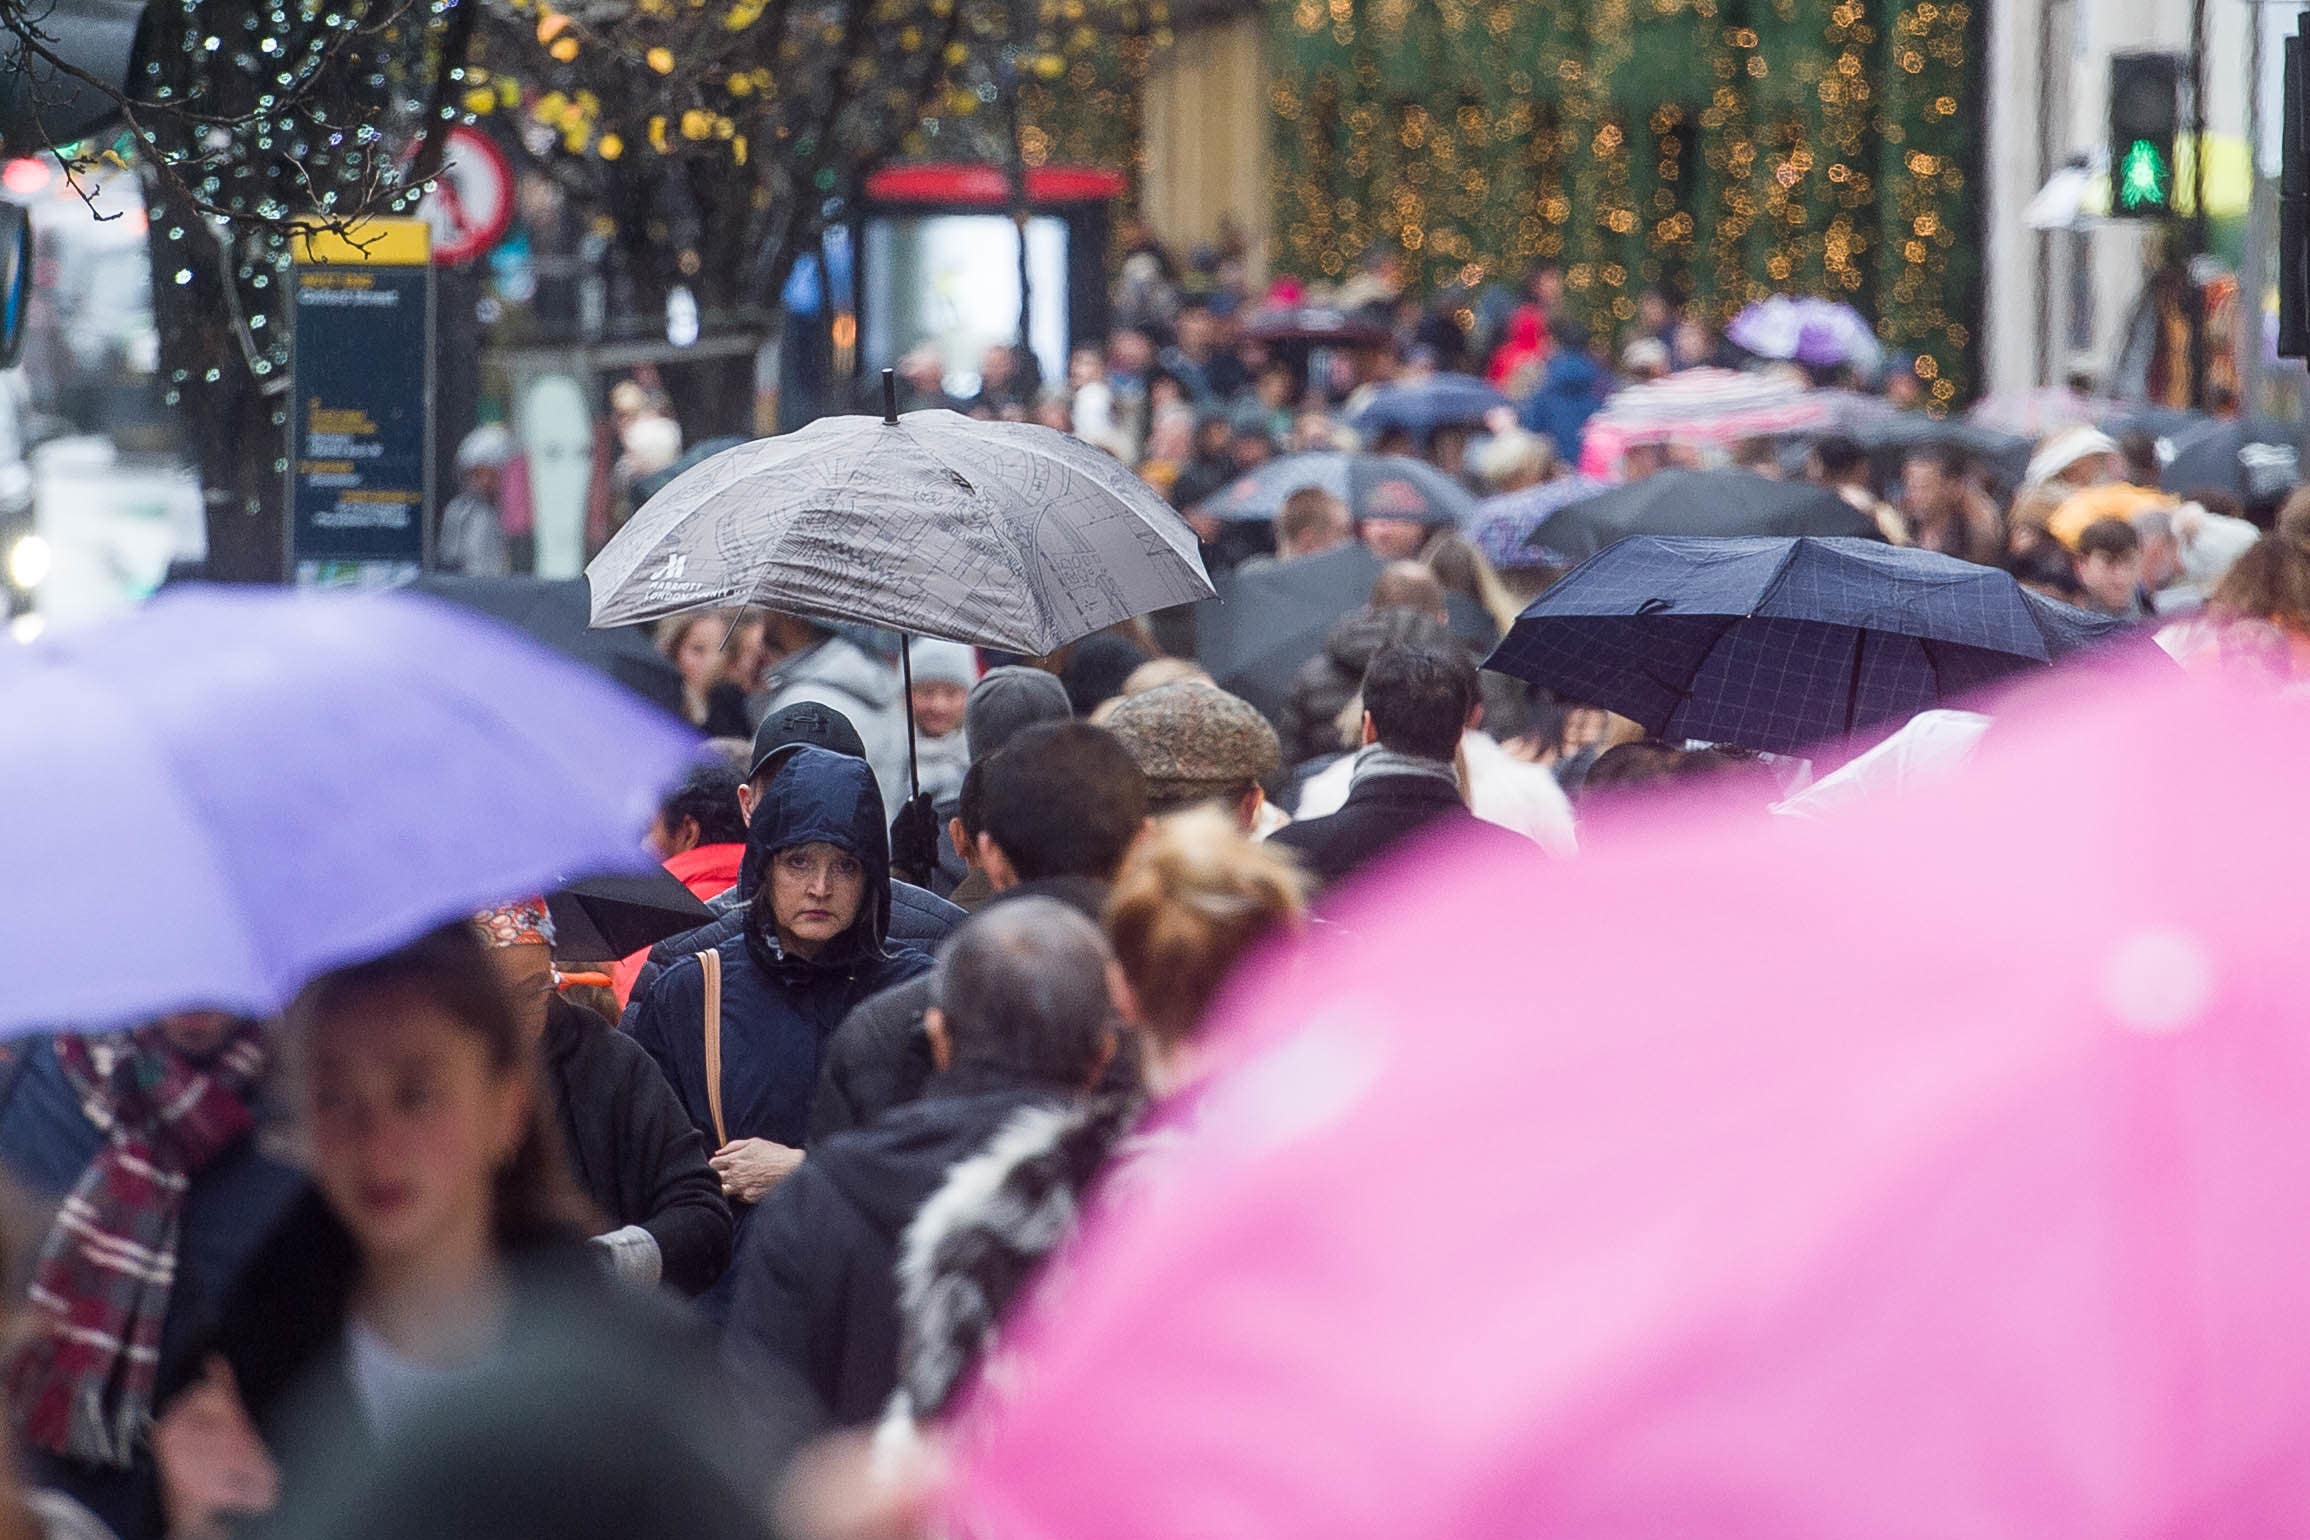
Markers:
point(815, 1288)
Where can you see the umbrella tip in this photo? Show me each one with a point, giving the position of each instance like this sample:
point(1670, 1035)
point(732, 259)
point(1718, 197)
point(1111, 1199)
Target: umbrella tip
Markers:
point(890, 397)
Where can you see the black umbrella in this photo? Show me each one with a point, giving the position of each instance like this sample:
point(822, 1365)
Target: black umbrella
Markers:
point(1890, 439)
point(1701, 503)
point(606, 917)
point(2253, 461)
point(1270, 619)
point(1372, 486)
point(557, 613)
point(1779, 644)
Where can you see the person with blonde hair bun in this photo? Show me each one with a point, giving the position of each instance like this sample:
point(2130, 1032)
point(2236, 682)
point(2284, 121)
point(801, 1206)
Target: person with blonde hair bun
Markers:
point(1193, 901)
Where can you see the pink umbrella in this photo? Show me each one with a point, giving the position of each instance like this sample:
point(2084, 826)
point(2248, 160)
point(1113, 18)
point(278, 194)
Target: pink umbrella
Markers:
point(1937, 1171)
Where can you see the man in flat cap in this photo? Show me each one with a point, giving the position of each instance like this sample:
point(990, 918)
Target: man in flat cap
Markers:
point(1196, 744)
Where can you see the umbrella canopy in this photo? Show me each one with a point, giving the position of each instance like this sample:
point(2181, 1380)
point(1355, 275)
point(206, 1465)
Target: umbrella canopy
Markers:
point(1505, 528)
point(1422, 406)
point(1700, 503)
point(1002, 535)
point(1704, 407)
point(1372, 486)
point(557, 612)
point(599, 918)
point(2046, 409)
point(1890, 440)
point(2255, 461)
point(1799, 1210)
point(291, 782)
point(1323, 325)
point(1782, 645)
point(647, 487)
point(1821, 333)
point(1272, 618)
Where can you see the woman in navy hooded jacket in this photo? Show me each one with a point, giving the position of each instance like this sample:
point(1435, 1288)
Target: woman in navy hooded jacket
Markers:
point(815, 945)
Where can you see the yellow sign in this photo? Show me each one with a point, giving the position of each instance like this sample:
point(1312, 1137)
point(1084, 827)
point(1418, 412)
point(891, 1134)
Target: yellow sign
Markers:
point(367, 243)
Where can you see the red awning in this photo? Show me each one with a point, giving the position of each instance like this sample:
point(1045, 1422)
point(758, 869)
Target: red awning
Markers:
point(980, 186)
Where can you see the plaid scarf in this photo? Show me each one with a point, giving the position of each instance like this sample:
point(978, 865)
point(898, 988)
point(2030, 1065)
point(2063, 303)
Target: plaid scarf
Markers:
point(83, 1384)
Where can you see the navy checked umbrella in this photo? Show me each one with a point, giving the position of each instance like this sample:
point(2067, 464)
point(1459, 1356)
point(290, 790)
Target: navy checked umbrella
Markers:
point(1782, 644)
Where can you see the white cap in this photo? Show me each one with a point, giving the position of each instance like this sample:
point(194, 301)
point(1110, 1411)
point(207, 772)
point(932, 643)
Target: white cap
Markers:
point(2065, 449)
point(486, 447)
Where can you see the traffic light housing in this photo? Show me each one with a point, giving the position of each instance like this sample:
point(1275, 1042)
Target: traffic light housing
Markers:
point(2145, 121)
point(43, 106)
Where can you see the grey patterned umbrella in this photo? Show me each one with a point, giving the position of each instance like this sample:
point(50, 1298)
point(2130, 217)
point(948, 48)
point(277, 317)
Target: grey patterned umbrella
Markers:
point(1002, 535)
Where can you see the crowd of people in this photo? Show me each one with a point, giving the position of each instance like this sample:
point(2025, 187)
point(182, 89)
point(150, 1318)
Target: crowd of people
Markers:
point(970, 916)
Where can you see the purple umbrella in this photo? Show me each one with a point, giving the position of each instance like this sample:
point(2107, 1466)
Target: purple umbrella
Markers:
point(1503, 527)
point(1819, 332)
point(229, 792)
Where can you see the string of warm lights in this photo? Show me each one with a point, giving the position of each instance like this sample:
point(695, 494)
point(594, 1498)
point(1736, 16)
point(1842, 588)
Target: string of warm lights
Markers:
point(1722, 149)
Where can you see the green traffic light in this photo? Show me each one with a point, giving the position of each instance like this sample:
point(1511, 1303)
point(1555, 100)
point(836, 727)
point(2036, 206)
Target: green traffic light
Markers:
point(2144, 181)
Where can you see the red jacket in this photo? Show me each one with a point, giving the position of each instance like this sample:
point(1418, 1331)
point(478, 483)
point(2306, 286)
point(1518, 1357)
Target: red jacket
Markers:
point(708, 871)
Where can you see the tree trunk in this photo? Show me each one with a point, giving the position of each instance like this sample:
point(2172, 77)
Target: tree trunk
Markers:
point(234, 430)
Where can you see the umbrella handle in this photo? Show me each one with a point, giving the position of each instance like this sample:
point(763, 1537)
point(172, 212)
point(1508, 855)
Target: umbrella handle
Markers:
point(890, 398)
point(906, 672)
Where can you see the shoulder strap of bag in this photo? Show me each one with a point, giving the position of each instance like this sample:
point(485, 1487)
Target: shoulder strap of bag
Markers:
point(711, 962)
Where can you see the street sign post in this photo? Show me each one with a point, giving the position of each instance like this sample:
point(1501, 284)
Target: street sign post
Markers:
point(471, 204)
point(361, 405)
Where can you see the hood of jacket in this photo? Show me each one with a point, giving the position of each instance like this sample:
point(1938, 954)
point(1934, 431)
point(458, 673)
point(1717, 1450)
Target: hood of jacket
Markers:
point(841, 664)
point(822, 796)
point(1572, 372)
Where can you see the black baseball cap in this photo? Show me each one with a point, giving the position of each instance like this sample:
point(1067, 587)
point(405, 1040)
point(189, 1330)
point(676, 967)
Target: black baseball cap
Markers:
point(809, 724)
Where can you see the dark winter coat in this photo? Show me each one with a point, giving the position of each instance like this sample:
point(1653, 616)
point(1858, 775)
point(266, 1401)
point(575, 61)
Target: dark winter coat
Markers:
point(1326, 682)
point(815, 1288)
point(632, 1148)
point(779, 1010)
point(46, 1142)
point(283, 1332)
point(1570, 393)
point(919, 918)
point(880, 1059)
point(979, 1242)
point(1381, 812)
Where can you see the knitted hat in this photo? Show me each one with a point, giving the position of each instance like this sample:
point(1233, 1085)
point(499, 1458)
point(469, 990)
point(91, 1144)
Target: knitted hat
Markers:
point(1194, 742)
point(1007, 701)
point(937, 662)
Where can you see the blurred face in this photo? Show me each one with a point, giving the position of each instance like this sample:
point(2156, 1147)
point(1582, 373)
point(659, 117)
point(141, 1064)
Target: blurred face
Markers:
point(1394, 539)
point(938, 707)
point(1196, 332)
point(1084, 368)
point(2161, 562)
point(1926, 486)
point(699, 657)
point(1131, 352)
point(2110, 581)
point(748, 656)
point(815, 891)
point(197, 1034)
point(410, 1124)
point(998, 366)
point(526, 971)
point(1652, 313)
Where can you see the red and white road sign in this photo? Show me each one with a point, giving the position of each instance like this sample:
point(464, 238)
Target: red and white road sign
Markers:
point(471, 205)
